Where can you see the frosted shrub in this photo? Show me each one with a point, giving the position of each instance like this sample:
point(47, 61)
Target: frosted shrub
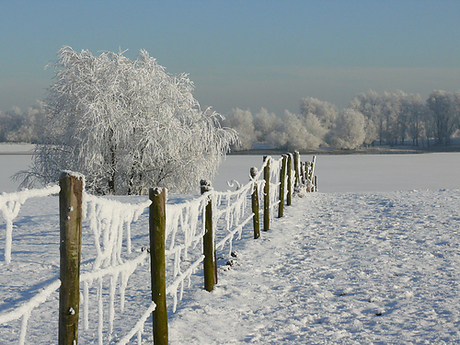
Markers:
point(126, 125)
point(241, 122)
point(294, 135)
point(349, 132)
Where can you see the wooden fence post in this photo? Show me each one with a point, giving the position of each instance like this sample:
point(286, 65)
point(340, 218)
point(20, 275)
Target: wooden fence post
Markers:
point(303, 172)
point(313, 165)
point(70, 222)
point(267, 194)
point(289, 184)
point(316, 183)
point(309, 178)
point(282, 186)
point(297, 168)
point(209, 249)
point(255, 203)
point(157, 229)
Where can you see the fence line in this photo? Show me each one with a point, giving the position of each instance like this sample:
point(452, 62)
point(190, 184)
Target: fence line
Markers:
point(184, 232)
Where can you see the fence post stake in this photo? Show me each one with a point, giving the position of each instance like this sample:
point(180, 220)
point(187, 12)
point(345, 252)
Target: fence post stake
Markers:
point(267, 194)
point(289, 184)
point(316, 183)
point(157, 230)
point(309, 177)
point(282, 186)
point(297, 168)
point(313, 165)
point(209, 249)
point(70, 223)
point(255, 203)
point(303, 172)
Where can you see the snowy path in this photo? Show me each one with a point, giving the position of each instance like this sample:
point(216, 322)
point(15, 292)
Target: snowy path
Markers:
point(339, 268)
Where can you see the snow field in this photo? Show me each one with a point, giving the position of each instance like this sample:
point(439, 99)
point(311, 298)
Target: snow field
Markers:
point(339, 269)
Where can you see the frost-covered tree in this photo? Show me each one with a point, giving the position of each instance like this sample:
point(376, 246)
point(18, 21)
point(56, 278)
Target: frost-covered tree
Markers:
point(10, 122)
point(415, 109)
point(349, 131)
point(126, 125)
point(442, 106)
point(325, 112)
point(293, 135)
point(370, 105)
point(26, 127)
point(315, 128)
point(266, 123)
point(318, 117)
point(241, 121)
point(391, 110)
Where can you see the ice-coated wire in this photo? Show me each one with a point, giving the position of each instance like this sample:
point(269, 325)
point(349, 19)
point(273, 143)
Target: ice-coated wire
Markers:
point(138, 327)
point(10, 205)
point(100, 309)
point(31, 304)
point(230, 236)
point(182, 233)
point(125, 271)
point(107, 220)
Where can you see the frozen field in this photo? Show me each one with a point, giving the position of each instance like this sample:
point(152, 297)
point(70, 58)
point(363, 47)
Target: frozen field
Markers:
point(336, 173)
point(363, 173)
point(373, 258)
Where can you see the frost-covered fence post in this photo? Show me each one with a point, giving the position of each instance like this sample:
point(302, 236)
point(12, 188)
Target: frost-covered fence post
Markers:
point(313, 165)
point(157, 229)
point(209, 248)
point(289, 183)
point(303, 172)
point(267, 194)
point(255, 203)
point(316, 183)
point(70, 222)
point(282, 186)
point(297, 168)
point(309, 177)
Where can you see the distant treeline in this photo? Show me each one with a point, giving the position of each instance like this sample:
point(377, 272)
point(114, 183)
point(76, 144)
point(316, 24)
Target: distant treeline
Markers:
point(22, 127)
point(391, 118)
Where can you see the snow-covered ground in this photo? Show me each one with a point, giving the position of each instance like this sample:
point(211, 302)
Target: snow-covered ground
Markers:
point(13, 158)
point(375, 267)
point(353, 268)
point(336, 173)
point(363, 173)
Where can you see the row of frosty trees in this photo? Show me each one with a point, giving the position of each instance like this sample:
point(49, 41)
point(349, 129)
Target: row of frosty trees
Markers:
point(390, 118)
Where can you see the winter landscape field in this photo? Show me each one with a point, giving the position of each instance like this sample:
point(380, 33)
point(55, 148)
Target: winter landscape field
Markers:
point(372, 258)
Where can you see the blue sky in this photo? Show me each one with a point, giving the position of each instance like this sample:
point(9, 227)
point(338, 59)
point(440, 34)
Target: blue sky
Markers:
point(246, 54)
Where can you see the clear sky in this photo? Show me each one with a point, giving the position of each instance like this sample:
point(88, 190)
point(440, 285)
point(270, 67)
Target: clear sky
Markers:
point(246, 54)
